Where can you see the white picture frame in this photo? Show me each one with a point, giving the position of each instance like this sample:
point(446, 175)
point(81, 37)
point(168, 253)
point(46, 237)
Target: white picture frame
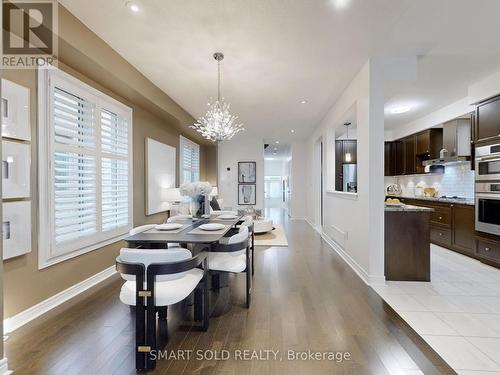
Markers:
point(16, 162)
point(15, 111)
point(16, 229)
point(160, 174)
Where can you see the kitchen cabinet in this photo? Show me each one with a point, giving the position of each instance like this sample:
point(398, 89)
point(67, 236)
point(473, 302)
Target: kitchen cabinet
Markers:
point(388, 160)
point(429, 143)
point(410, 155)
point(452, 226)
point(487, 126)
point(339, 157)
point(398, 153)
point(463, 236)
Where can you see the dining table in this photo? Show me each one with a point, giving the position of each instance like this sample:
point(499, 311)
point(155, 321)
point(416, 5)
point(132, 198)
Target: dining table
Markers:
point(189, 234)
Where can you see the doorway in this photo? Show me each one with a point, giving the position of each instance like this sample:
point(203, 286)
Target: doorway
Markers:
point(277, 167)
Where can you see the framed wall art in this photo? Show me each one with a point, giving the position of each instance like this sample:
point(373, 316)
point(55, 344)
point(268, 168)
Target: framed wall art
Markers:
point(160, 174)
point(247, 194)
point(16, 229)
point(247, 172)
point(15, 170)
point(15, 111)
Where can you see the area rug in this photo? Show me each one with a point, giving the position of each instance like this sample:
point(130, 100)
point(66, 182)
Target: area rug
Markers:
point(276, 237)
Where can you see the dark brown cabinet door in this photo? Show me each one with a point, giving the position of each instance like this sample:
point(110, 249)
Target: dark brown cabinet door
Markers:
point(463, 228)
point(410, 155)
point(424, 142)
point(339, 159)
point(488, 120)
point(398, 155)
point(388, 159)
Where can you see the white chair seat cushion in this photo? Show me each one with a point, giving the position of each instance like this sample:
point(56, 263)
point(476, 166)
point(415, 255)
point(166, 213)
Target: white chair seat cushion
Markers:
point(228, 262)
point(166, 292)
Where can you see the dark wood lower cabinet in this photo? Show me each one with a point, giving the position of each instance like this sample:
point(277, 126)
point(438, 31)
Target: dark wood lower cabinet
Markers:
point(453, 227)
point(464, 235)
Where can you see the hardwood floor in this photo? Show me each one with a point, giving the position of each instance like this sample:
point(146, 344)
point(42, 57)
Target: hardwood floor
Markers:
point(304, 298)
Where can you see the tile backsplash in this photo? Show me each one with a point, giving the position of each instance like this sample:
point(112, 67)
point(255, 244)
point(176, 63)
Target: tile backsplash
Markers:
point(458, 179)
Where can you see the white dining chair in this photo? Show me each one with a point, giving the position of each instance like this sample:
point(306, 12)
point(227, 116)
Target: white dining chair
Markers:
point(232, 255)
point(154, 280)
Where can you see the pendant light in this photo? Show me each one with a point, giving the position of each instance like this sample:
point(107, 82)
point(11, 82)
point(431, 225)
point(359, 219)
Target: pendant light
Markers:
point(347, 156)
point(218, 124)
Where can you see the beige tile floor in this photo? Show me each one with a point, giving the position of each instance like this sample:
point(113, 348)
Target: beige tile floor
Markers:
point(457, 313)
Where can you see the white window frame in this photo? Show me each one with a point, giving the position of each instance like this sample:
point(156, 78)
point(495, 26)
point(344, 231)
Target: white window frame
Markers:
point(48, 254)
point(186, 142)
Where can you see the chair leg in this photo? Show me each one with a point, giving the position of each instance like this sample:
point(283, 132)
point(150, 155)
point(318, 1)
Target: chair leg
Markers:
point(253, 250)
point(140, 337)
point(150, 334)
point(206, 303)
point(248, 277)
point(198, 310)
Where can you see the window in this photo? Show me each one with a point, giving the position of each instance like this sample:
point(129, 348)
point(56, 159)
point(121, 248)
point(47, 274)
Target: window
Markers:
point(190, 161)
point(85, 165)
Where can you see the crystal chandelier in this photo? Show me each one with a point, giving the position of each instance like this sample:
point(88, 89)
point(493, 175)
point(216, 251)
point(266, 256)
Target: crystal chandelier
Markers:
point(218, 124)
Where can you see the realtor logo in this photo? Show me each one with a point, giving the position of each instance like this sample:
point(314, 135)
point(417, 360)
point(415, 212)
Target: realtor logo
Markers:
point(29, 34)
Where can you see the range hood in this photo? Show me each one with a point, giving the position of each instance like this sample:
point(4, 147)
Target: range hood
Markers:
point(447, 160)
point(456, 143)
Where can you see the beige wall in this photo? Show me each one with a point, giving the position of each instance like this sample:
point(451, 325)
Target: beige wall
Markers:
point(155, 115)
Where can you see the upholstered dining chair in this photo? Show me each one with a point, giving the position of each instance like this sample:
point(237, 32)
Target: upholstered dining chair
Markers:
point(232, 254)
point(248, 222)
point(154, 280)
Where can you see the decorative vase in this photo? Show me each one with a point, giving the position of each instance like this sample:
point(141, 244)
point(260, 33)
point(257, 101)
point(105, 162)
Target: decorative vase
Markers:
point(195, 207)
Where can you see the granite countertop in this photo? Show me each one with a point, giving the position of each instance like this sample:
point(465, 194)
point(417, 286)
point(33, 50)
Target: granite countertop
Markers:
point(467, 201)
point(407, 208)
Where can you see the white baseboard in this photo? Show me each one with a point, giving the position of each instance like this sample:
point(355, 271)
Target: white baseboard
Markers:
point(4, 367)
point(18, 320)
point(317, 229)
point(370, 280)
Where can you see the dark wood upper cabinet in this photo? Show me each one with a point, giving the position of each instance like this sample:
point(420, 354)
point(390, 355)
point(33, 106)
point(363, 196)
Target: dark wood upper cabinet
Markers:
point(410, 155)
point(463, 235)
point(339, 160)
point(398, 154)
point(487, 120)
point(430, 143)
point(388, 159)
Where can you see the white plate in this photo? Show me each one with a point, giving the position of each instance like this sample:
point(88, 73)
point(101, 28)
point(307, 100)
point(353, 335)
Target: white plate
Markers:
point(212, 226)
point(168, 226)
point(227, 217)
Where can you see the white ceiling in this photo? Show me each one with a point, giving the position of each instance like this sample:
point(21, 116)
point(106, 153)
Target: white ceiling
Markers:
point(279, 52)
point(277, 151)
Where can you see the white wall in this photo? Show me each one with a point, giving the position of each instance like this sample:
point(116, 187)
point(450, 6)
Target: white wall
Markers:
point(354, 222)
point(298, 199)
point(241, 148)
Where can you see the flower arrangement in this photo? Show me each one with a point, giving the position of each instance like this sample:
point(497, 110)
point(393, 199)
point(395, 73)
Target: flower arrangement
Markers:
point(198, 192)
point(195, 189)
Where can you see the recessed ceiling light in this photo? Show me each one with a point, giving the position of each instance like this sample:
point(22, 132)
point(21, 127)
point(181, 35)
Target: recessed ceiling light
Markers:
point(303, 102)
point(133, 6)
point(277, 142)
point(292, 131)
point(401, 109)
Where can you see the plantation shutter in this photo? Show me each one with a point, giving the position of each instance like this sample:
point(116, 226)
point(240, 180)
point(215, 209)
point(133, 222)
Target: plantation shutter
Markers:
point(115, 176)
point(190, 160)
point(85, 168)
point(74, 161)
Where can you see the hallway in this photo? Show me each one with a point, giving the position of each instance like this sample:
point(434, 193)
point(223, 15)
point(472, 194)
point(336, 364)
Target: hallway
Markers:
point(305, 298)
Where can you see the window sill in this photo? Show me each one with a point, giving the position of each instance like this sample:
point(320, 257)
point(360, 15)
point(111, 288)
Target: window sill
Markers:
point(343, 195)
point(47, 262)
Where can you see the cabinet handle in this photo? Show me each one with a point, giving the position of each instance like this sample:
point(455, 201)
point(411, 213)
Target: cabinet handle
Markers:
point(441, 234)
point(487, 249)
point(440, 218)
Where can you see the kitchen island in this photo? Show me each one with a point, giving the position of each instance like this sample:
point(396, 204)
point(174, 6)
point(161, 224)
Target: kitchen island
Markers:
point(407, 243)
